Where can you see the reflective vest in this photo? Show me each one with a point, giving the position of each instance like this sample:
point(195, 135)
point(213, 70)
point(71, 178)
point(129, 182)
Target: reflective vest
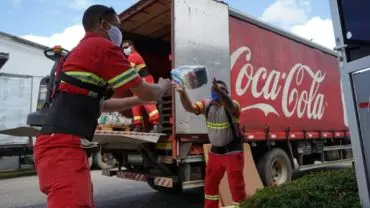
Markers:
point(236, 144)
point(139, 65)
point(77, 114)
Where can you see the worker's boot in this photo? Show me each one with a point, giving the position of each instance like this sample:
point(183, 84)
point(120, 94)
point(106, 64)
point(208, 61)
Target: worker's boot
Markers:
point(156, 129)
point(138, 128)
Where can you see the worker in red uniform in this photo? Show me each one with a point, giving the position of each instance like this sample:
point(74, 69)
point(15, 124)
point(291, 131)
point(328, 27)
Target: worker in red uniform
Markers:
point(138, 63)
point(87, 78)
point(222, 114)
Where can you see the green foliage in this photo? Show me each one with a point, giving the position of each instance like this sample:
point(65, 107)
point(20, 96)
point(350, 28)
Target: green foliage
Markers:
point(326, 189)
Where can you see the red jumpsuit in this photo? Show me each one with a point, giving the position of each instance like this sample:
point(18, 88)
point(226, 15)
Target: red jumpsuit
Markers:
point(231, 162)
point(138, 63)
point(62, 166)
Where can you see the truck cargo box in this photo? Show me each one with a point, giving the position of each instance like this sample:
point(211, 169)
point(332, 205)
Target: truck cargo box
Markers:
point(15, 104)
point(280, 80)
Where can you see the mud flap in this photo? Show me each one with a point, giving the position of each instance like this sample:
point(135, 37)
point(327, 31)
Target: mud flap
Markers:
point(251, 177)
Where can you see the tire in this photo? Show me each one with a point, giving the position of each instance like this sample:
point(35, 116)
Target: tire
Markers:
point(175, 190)
point(275, 168)
point(99, 163)
point(332, 155)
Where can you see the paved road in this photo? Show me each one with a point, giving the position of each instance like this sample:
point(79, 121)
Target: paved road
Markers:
point(109, 193)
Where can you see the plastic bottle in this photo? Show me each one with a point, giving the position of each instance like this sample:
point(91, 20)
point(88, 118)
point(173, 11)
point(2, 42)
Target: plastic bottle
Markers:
point(190, 76)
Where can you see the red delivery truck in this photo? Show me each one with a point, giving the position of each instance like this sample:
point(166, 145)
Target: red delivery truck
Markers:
point(289, 90)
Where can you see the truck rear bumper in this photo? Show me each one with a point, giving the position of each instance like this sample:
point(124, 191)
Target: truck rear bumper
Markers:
point(158, 181)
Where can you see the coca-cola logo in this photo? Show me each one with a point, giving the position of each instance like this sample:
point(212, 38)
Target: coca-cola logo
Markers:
point(296, 95)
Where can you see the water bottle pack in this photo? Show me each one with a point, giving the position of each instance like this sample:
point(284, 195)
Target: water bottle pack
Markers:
point(190, 76)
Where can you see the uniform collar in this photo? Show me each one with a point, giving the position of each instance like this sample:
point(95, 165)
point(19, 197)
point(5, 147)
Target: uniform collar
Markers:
point(91, 34)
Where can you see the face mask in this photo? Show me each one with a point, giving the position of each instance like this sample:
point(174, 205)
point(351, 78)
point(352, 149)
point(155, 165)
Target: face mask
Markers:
point(127, 51)
point(215, 96)
point(115, 35)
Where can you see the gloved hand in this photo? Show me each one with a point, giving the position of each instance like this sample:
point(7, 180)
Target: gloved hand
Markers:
point(166, 86)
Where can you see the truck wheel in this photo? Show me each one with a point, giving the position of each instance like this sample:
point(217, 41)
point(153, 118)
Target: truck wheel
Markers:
point(99, 163)
point(332, 155)
point(274, 168)
point(174, 190)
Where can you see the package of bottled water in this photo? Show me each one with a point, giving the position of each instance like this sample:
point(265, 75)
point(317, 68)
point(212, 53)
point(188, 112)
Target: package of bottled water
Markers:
point(190, 76)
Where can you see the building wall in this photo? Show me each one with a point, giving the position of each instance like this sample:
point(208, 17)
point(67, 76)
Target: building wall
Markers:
point(24, 59)
point(25, 68)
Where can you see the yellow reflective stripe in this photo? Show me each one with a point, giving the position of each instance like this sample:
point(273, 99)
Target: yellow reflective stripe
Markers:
point(140, 66)
point(200, 105)
point(153, 113)
point(87, 77)
point(237, 103)
point(164, 146)
point(211, 197)
point(138, 118)
point(218, 125)
point(123, 78)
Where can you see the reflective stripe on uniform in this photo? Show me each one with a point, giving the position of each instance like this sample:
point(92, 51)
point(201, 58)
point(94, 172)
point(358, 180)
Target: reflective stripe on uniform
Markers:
point(237, 103)
point(137, 118)
point(153, 113)
point(140, 66)
point(115, 82)
point(87, 77)
point(123, 78)
point(137, 67)
point(199, 105)
point(211, 197)
point(218, 125)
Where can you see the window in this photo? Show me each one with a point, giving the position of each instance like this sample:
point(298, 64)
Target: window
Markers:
point(3, 58)
point(355, 18)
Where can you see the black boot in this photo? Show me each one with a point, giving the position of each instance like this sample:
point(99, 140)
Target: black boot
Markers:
point(156, 129)
point(138, 128)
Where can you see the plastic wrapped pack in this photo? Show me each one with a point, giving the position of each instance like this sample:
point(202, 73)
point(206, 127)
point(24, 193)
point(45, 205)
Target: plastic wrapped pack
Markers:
point(113, 120)
point(190, 76)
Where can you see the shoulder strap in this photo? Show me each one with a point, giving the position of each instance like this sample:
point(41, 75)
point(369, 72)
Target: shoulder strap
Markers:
point(207, 109)
point(229, 118)
point(54, 82)
point(101, 91)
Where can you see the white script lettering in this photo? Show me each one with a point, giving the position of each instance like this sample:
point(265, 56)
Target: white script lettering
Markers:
point(272, 84)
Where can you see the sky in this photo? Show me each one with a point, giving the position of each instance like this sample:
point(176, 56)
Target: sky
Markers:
point(58, 22)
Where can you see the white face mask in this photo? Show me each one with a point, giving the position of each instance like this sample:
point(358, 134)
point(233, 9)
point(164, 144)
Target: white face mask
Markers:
point(127, 51)
point(115, 35)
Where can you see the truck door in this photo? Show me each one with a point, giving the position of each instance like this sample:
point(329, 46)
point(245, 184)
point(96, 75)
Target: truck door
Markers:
point(15, 104)
point(200, 37)
point(352, 35)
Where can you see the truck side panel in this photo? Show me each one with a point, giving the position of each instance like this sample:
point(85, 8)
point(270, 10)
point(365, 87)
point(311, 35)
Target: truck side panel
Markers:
point(15, 104)
point(200, 37)
point(281, 83)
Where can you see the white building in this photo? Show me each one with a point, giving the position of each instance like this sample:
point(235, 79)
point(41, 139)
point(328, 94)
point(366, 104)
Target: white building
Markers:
point(19, 81)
